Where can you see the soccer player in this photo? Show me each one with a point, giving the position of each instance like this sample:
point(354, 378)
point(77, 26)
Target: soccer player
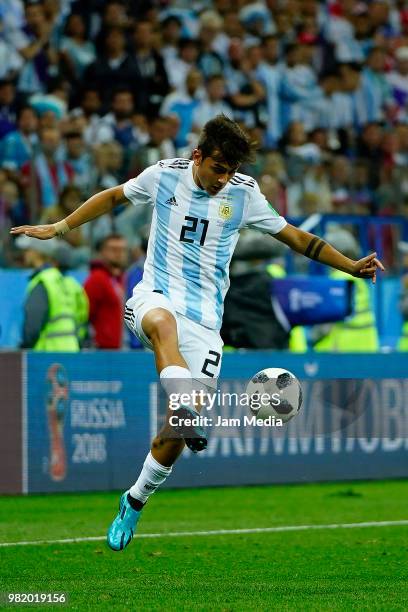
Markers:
point(200, 205)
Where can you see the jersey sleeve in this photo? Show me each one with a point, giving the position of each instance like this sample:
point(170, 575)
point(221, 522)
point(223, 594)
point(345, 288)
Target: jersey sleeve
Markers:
point(261, 215)
point(140, 190)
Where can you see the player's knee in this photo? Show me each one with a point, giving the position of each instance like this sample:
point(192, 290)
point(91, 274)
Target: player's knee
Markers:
point(161, 328)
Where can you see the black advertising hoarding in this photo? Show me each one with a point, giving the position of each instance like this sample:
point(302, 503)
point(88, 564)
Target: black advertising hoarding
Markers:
point(11, 432)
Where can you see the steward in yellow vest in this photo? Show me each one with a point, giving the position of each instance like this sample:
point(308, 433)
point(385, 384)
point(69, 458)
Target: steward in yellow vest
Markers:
point(358, 332)
point(51, 315)
point(81, 306)
point(59, 331)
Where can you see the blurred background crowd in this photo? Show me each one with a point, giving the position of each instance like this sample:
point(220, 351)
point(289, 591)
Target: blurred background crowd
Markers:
point(93, 92)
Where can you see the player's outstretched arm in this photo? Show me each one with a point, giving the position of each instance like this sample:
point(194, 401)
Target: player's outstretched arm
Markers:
point(314, 247)
point(97, 205)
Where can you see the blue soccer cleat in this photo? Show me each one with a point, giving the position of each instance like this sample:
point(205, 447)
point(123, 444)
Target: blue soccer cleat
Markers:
point(122, 530)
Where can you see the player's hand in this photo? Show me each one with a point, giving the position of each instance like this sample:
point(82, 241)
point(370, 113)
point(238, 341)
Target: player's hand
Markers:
point(42, 232)
point(367, 267)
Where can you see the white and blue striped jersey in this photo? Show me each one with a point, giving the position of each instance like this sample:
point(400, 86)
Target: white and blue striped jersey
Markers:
point(193, 235)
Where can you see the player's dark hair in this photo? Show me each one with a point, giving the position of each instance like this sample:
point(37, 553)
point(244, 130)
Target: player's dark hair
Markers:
point(225, 136)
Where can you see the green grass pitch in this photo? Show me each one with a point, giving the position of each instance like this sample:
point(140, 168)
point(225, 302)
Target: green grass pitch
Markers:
point(325, 569)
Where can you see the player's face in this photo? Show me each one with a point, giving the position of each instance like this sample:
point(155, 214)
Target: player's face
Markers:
point(211, 173)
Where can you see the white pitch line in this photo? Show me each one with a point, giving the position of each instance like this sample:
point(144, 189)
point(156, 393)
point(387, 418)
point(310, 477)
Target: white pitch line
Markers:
point(180, 534)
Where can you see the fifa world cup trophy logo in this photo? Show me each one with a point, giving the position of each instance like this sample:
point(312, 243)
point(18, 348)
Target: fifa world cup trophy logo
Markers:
point(57, 400)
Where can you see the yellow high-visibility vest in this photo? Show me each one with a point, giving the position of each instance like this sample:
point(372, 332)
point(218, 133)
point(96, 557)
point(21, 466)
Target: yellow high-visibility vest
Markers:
point(358, 333)
point(403, 341)
point(60, 331)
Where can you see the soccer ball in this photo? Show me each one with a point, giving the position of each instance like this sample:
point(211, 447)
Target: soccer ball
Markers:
point(274, 392)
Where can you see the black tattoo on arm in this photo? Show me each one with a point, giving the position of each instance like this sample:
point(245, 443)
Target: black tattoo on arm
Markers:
point(314, 247)
point(310, 246)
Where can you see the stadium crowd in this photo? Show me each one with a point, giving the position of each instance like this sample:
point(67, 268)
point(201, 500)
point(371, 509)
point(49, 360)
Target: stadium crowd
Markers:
point(92, 93)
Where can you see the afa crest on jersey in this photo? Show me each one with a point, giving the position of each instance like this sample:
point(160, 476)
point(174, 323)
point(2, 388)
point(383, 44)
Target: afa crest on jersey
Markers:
point(225, 211)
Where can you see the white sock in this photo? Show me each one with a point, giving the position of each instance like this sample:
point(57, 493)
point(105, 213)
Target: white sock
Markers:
point(153, 474)
point(176, 380)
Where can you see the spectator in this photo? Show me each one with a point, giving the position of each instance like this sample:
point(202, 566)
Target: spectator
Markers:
point(245, 92)
point(398, 81)
point(301, 95)
point(12, 209)
point(52, 106)
point(34, 45)
point(158, 147)
point(84, 237)
point(401, 130)
point(348, 32)
point(108, 165)
point(299, 150)
point(184, 106)
point(214, 102)
point(274, 191)
point(178, 68)
point(170, 38)
point(90, 110)
point(50, 310)
point(340, 183)
point(154, 84)
point(351, 85)
point(105, 289)
point(317, 196)
point(336, 107)
point(18, 147)
point(80, 159)
point(232, 28)
point(269, 73)
point(69, 199)
point(285, 31)
point(8, 108)
point(114, 15)
point(209, 62)
point(115, 67)
point(11, 61)
point(369, 148)
point(376, 89)
point(363, 31)
point(363, 197)
point(119, 119)
point(76, 49)
point(46, 174)
point(256, 19)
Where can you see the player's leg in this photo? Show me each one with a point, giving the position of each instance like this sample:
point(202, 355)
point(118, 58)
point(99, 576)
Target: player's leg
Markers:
point(156, 325)
point(160, 327)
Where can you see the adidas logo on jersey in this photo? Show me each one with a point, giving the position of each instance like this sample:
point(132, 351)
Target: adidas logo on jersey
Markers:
point(172, 201)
